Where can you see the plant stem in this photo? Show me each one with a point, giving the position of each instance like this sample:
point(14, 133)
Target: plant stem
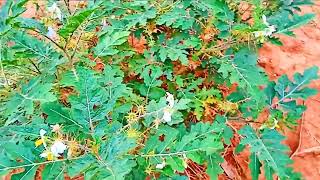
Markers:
point(37, 164)
point(35, 66)
point(67, 3)
point(56, 44)
point(168, 154)
point(77, 43)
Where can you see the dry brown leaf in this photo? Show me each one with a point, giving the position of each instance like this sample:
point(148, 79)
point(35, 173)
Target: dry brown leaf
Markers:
point(226, 91)
point(139, 45)
point(208, 34)
point(99, 66)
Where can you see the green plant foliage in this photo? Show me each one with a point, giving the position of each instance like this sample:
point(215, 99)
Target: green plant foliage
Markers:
point(74, 22)
point(238, 69)
point(294, 21)
point(287, 92)
point(27, 47)
point(108, 41)
point(286, 89)
point(144, 89)
point(22, 103)
point(267, 148)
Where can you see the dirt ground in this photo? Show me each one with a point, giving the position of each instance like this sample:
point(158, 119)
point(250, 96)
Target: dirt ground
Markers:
point(297, 54)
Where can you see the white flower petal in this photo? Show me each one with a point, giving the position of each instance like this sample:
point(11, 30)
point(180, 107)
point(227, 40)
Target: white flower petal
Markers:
point(264, 19)
point(55, 10)
point(51, 33)
point(58, 148)
point(170, 99)
point(44, 154)
point(42, 132)
point(161, 166)
point(59, 14)
point(166, 115)
point(53, 7)
point(266, 32)
point(269, 31)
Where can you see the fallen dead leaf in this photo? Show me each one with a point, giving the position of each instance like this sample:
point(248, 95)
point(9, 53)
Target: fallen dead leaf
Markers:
point(139, 45)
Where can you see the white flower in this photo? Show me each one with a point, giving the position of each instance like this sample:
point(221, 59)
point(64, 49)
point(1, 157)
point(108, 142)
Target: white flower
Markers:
point(268, 31)
point(44, 154)
point(51, 33)
point(264, 19)
point(161, 165)
point(42, 140)
point(167, 113)
point(57, 148)
point(42, 133)
point(55, 10)
point(170, 99)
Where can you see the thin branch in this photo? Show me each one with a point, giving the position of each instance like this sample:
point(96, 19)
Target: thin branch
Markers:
point(70, 58)
point(78, 40)
point(67, 3)
point(48, 38)
point(35, 66)
point(168, 154)
point(37, 164)
point(242, 120)
point(63, 49)
point(56, 44)
point(88, 109)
